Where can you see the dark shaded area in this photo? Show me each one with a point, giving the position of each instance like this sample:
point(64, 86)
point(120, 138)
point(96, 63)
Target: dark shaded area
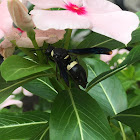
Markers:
point(1, 59)
point(120, 3)
point(29, 102)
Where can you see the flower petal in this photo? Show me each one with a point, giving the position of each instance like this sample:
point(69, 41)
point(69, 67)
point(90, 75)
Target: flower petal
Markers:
point(27, 93)
point(117, 25)
point(100, 6)
point(46, 4)
point(1, 34)
point(51, 36)
point(76, 2)
point(17, 91)
point(11, 101)
point(59, 20)
point(6, 22)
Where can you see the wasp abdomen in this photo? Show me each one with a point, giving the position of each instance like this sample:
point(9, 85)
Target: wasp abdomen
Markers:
point(78, 73)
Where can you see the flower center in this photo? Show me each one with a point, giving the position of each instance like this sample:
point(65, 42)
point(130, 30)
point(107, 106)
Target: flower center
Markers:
point(74, 8)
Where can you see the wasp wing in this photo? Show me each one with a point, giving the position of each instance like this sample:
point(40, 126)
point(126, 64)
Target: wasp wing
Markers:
point(63, 72)
point(94, 50)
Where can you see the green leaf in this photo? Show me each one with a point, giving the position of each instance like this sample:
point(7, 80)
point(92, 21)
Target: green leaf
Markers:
point(41, 135)
point(42, 87)
point(16, 67)
point(132, 57)
point(98, 40)
point(130, 117)
point(134, 101)
point(135, 36)
point(138, 14)
point(75, 115)
point(109, 93)
point(22, 126)
point(6, 88)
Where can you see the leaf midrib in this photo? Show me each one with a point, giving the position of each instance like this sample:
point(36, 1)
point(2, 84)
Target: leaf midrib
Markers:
point(77, 115)
point(22, 69)
point(102, 43)
point(22, 81)
point(123, 133)
point(24, 124)
point(104, 92)
point(47, 85)
point(128, 115)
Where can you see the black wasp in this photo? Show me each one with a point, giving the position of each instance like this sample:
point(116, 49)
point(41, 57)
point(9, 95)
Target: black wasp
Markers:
point(63, 60)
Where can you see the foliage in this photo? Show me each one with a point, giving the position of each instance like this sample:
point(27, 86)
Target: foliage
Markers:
point(108, 109)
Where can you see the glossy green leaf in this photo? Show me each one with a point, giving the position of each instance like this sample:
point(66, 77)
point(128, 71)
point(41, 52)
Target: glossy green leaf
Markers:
point(16, 67)
point(132, 57)
point(134, 101)
point(22, 126)
point(43, 134)
point(42, 87)
point(98, 40)
point(138, 14)
point(76, 116)
point(135, 36)
point(6, 88)
point(108, 93)
point(130, 117)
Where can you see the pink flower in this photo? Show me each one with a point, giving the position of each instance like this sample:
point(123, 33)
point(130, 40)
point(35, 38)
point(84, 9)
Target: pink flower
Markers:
point(20, 16)
point(107, 58)
point(100, 16)
point(11, 101)
point(24, 91)
point(50, 36)
point(7, 31)
point(6, 22)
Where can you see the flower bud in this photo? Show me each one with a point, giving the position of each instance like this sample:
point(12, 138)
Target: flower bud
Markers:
point(20, 16)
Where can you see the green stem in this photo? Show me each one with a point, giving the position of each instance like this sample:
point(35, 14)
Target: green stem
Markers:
point(123, 133)
point(87, 90)
point(67, 39)
point(32, 56)
point(27, 52)
point(31, 35)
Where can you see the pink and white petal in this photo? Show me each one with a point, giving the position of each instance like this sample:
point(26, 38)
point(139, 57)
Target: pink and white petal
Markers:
point(24, 2)
point(117, 25)
point(46, 4)
point(59, 20)
point(76, 2)
point(122, 51)
point(12, 34)
point(6, 52)
point(6, 22)
point(10, 101)
point(17, 91)
point(107, 58)
point(100, 6)
point(1, 34)
point(27, 93)
point(6, 44)
point(52, 35)
point(24, 42)
point(49, 33)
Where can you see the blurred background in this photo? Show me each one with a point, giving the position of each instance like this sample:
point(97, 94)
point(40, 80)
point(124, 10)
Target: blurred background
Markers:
point(129, 5)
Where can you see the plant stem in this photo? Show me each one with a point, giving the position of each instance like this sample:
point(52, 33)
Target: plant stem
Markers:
point(24, 50)
point(123, 133)
point(31, 35)
point(27, 52)
point(67, 39)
